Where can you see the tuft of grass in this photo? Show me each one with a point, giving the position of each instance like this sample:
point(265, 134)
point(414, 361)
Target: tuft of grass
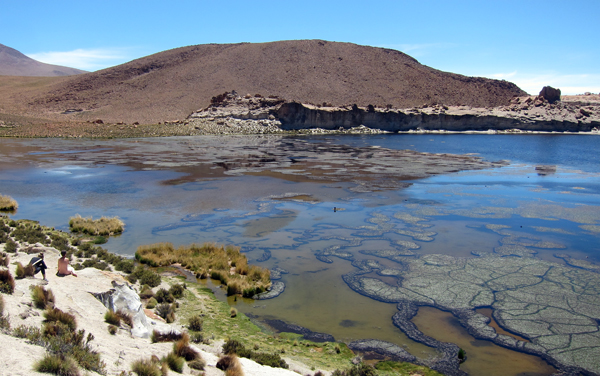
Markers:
point(57, 364)
point(7, 203)
point(225, 264)
point(7, 282)
point(42, 298)
point(112, 329)
point(195, 323)
point(182, 349)
point(360, 369)
point(231, 365)
point(164, 296)
point(55, 315)
point(151, 303)
point(11, 246)
point(232, 312)
point(165, 337)
point(112, 318)
point(146, 292)
point(147, 367)
point(104, 226)
point(125, 317)
point(174, 362)
point(198, 364)
point(4, 259)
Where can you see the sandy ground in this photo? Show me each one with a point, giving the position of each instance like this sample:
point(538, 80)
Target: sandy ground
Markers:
point(73, 295)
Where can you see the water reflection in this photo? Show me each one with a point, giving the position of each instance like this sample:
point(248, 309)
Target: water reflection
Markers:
point(280, 211)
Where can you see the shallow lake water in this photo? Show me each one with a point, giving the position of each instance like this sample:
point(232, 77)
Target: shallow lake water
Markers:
point(276, 201)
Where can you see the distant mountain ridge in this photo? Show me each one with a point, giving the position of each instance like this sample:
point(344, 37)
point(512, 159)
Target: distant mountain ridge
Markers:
point(14, 63)
point(172, 84)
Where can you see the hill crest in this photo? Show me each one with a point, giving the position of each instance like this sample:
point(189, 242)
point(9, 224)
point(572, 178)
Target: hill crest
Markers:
point(14, 63)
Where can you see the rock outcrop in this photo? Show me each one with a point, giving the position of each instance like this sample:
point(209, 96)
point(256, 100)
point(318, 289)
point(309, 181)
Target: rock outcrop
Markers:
point(273, 115)
point(550, 94)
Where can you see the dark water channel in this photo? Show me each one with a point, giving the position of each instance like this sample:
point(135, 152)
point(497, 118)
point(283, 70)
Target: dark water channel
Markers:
point(274, 198)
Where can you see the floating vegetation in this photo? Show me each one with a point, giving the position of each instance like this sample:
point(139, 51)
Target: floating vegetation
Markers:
point(7, 203)
point(103, 226)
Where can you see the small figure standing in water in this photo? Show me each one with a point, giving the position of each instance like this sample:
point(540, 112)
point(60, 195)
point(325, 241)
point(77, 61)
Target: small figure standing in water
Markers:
point(63, 266)
point(39, 265)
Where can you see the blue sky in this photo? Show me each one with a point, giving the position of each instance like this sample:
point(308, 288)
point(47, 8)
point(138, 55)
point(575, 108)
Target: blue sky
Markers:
point(529, 42)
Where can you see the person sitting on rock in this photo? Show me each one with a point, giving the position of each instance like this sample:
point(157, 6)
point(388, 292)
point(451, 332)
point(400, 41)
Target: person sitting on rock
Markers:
point(63, 266)
point(39, 265)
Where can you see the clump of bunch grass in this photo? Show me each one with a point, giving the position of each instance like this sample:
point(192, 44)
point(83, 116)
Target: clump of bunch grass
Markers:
point(166, 311)
point(4, 259)
point(104, 226)
point(7, 203)
point(231, 365)
point(114, 318)
point(146, 292)
point(196, 323)
point(225, 264)
point(112, 329)
point(182, 348)
point(174, 362)
point(57, 364)
point(42, 298)
point(24, 271)
point(7, 282)
point(55, 315)
point(11, 246)
point(146, 367)
point(165, 337)
point(4, 323)
point(151, 303)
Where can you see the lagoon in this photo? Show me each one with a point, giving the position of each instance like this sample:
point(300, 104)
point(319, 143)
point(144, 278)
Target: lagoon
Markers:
point(397, 198)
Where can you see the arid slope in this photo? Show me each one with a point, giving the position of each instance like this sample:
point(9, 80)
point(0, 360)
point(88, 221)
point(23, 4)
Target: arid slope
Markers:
point(171, 84)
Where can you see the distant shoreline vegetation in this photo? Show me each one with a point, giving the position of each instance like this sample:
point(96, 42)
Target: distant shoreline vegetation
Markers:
point(225, 264)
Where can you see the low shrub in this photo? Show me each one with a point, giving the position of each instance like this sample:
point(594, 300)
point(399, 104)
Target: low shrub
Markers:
point(7, 282)
point(42, 298)
point(232, 346)
point(126, 266)
point(11, 246)
point(145, 276)
point(32, 334)
point(197, 338)
point(57, 364)
point(177, 290)
point(146, 292)
point(163, 310)
point(196, 323)
point(146, 367)
point(164, 296)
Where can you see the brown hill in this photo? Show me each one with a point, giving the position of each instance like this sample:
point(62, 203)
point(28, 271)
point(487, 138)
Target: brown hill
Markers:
point(14, 63)
point(171, 84)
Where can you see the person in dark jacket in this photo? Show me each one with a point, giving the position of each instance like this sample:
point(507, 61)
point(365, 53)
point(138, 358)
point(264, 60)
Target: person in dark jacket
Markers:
point(39, 265)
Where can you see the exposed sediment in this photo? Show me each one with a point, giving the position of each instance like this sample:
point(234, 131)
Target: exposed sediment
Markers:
point(234, 113)
point(554, 306)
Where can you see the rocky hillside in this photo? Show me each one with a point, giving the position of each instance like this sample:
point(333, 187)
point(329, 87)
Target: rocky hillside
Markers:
point(172, 84)
point(14, 63)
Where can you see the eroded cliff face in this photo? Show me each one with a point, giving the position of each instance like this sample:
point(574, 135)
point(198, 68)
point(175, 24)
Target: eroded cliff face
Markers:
point(521, 114)
point(294, 116)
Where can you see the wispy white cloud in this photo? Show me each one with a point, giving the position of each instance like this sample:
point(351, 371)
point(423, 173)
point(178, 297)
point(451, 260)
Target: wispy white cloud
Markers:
point(86, 59)
point(567, 83)
point(504, 76)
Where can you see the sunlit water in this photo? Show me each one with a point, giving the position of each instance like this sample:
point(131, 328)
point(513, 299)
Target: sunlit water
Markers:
point(293, 220)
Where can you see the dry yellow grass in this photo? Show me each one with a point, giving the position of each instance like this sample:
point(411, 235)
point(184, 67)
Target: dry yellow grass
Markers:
point(8, 203)
point(226, 264)
point(103, 226)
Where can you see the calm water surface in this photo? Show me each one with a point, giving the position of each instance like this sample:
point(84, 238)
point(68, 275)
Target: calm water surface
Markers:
point(164, 195)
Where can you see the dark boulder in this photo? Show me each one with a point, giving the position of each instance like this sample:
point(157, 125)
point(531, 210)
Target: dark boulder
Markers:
point(550, 94)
